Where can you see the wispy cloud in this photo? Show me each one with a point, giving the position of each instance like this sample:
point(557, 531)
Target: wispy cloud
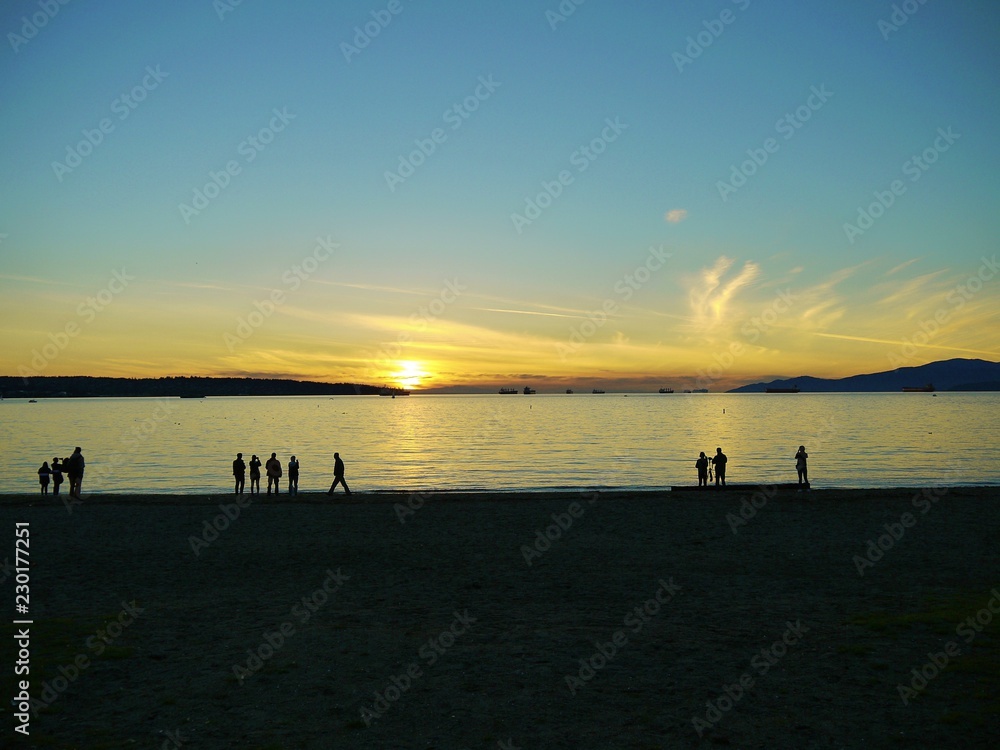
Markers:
point(675, 215)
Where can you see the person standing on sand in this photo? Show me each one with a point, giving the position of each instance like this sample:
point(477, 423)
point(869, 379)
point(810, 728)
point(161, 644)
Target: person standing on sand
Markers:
point(57, 478)
point(240, 472)
point(75, 466)
point(801, 468)
point(293, 477)
point(273, 469)
point(719, 461)
point(702, 465)
point(43, 477)
point(338, 475)
point(254, 475)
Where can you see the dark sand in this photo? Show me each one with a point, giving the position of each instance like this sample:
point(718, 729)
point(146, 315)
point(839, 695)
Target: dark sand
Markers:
point(500, 680)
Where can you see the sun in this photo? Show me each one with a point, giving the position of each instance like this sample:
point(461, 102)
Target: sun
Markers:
point(409, 374)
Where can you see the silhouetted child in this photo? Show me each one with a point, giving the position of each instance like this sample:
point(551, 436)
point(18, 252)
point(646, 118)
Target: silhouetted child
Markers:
point(293, 477)
point(43, 477)
point(254, 475)
point(702, 465)
point(57, 477)
point(801, 468)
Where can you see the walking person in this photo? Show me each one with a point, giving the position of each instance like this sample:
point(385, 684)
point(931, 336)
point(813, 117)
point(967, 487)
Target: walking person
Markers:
point(273, 469)
point(801, 468)
point(75, 466)
point(254, 475)
point(57, 477)
point(43, 477)
point(719, 461)
point(239, 473)
point(702, 465)
point(293, 477)
point(338, 475)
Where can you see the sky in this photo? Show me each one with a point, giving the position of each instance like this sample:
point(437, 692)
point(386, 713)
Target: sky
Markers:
point(466, 195)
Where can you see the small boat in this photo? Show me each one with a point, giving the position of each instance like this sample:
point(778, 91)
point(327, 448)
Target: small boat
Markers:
point(929, 388)
point(393, 392)
point(569, 390)
point(508, 391)
point(597, 390)
point(32, 401)
point(528, 391)
point(666, 390)
point(793, 389)
point(700, 390)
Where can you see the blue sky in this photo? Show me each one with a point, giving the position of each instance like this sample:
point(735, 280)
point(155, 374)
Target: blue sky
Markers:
point(525, 294)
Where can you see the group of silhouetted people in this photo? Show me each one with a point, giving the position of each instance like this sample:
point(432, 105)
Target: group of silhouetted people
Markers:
point(72, 467)
point(273, 471)
point(719, 461)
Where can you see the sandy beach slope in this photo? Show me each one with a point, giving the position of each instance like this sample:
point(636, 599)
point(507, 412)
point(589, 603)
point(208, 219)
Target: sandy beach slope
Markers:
point(554, 620)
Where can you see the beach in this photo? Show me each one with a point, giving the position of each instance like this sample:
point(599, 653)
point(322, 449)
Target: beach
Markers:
point(744, 618)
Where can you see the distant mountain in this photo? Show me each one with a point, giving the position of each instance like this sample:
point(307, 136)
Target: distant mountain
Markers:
point(77, 386)
point(947, 375)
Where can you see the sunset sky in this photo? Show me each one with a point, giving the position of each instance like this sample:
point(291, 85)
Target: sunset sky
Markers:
point(461, 194)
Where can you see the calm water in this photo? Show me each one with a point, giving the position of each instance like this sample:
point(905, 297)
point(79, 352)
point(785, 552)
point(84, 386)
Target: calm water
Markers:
point(510, 442)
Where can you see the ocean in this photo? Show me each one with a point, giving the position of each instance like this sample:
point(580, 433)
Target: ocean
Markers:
point(510, 442)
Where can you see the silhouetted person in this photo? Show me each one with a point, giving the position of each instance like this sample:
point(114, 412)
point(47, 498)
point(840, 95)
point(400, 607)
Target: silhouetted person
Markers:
point(57, 477)
point(240, 473)
point(43, 477)
point(254, 475)
point(702, 465)
point(800, 466)
point(338, 475)
point(293, 477)
point(75, 466)
point(273, 469)
point(719, 462)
